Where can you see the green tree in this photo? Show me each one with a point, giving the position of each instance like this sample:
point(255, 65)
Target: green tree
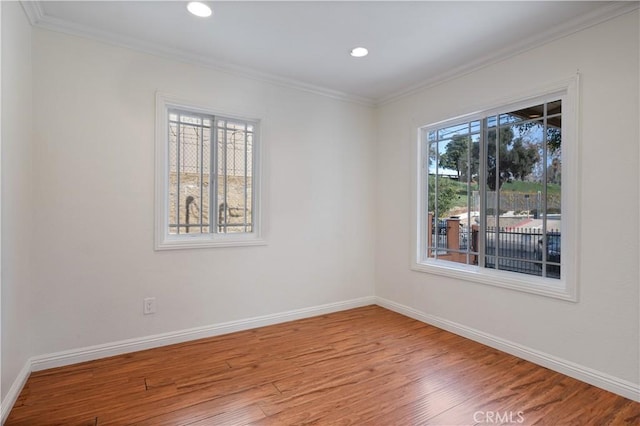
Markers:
point(455, 157)
point(513, 160)
point(554, 135)
point(447, 195)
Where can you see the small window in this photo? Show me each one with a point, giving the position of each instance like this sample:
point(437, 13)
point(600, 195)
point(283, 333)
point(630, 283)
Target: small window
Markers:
point(493, 201)
point(207, 178)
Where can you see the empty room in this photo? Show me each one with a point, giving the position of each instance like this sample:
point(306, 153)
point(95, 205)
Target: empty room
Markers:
point(320, 212)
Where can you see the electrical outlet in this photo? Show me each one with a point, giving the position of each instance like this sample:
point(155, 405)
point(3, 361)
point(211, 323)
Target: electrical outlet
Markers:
point(149, 306)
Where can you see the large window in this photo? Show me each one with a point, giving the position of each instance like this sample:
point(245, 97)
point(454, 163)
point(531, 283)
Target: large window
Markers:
point(491, 197)
point(207, 178)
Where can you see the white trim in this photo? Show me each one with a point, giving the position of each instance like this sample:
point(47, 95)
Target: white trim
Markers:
point(60, 359)
point(197, 243)
point(38, 18)
point(603, 14)
point(567, 287)
point(162, 239)
point(33, 10)
point(90, 353)
point(74, 356)
point(579, 372)
point(14, 391)
point(504, 279)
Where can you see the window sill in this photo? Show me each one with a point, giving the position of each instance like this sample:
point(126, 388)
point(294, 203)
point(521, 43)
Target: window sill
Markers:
point(558, 289)
point(198, 242)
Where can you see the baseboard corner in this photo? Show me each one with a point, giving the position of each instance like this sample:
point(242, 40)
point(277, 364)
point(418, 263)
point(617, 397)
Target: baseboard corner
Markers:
point(90, 353)
point(14, 391)
point(579, 372)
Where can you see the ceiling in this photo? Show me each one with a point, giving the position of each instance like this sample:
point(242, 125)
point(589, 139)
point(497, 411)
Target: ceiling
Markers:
point(307, 44)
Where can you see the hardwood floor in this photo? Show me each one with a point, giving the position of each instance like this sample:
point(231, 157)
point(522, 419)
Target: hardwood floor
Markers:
point(365, 366)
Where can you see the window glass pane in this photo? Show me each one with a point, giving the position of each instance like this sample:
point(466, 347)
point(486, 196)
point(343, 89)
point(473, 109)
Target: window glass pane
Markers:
point(248, 182)
point(554, 107)
point(440, 235)
point(432, 161)
point(519, 180)
point(451, 192)
point(173, 177)
point(189, 157)
point(235, 176)
point(454, 157)
point(554, 206)
point(471, 223)
point(458, 129)
point(235, 125)
point(520, 177)
point(553, 250)
point(491, 200)
point(529, 113)
point(190, 119)
point(490, 262)
point(191, 182)
point(522, 163)
point(554, 135)
point(209, 178)
point(205, 181)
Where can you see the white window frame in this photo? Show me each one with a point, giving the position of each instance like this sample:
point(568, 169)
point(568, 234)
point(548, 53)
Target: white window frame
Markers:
point(566, 287)
point(165, 241)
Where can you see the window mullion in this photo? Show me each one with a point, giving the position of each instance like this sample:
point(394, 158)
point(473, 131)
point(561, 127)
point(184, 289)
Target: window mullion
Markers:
point(246, 194)
point(544, 193)
point(213, 179)
point(468, 174)
point(423, 212)
point(178, 143)
point(435, 226)
point(482, 188)
point(497, 197)
point(201, 207)
point(224, 176)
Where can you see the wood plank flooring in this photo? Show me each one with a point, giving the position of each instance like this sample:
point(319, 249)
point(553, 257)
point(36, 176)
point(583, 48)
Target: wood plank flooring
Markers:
point(365, 366)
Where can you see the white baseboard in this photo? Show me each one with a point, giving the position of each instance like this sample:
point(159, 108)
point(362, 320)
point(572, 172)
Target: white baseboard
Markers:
point(10, 398)
point(74, 356)
point(585, 374)
point(59, 359)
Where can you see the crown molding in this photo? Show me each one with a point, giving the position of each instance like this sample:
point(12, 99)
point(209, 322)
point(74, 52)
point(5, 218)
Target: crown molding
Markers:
point(598, 16)
point(37, 17)
point(33, 10)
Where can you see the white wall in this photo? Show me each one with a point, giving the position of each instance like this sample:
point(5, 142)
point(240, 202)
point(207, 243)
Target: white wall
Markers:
point(17, 207)
point(602, 330)
point(77, 201)
point(94, 141)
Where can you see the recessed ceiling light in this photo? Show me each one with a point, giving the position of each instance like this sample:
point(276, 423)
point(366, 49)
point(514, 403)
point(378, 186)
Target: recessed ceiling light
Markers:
point(359, 52)
point(199, 9)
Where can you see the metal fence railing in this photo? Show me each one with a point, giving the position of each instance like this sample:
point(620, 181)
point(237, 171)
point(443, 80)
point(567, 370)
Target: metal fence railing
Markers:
point(522, 250)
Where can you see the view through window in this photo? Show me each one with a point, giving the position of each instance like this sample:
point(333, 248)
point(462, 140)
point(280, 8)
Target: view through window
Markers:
point(210, 158)
point(493, 191)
